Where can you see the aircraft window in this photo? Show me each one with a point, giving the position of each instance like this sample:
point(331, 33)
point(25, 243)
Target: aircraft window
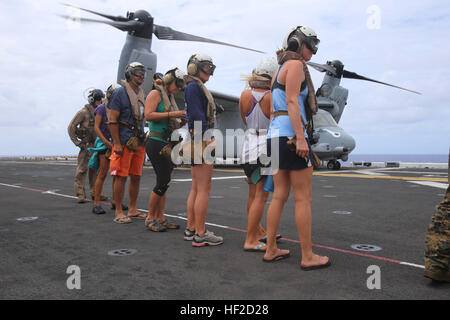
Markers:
point(324, 120)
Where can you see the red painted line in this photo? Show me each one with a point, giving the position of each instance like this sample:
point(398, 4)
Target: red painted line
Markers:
point(333, 249)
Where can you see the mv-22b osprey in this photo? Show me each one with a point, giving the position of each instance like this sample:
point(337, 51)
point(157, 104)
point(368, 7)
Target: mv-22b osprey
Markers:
point(333, 142)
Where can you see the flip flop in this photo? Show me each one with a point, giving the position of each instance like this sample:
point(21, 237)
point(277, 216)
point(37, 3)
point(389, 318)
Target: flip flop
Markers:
point(257, 248)
point(317, 266)
point(278, 257)
point(141, 216)
point(264, 239)
point(122, 220)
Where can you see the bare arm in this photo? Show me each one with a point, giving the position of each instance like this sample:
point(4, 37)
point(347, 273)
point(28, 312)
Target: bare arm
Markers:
point(114, 129)
point(98, 132)
point(294, 79)
point(151, 104)
point(242, 102)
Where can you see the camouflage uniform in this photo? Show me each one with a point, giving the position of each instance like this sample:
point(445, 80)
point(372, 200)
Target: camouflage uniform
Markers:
point(437, 244)
point(82, 134)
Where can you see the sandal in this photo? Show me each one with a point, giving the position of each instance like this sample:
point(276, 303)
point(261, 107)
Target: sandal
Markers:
point(169, 225)
point(122, 220)
point(156, 226)
point(138, 216)
point(264, 239)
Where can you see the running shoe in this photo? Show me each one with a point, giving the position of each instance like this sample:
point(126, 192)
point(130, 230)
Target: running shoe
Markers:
point(189, 235)
point(209, 239)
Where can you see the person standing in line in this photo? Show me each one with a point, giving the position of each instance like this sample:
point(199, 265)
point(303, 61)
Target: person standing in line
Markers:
point(255, 109)
point(126, 124)
point(200, 108)
point(104, 144)
point(163, 116)
point(81, 132)
point(294, 102)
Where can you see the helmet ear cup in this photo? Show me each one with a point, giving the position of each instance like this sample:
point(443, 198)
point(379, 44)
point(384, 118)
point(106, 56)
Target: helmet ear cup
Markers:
point(168, 78)
point(293, 44)
point(192, 69)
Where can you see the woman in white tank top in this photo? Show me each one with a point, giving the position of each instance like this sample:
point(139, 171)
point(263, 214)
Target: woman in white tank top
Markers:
point(255, 109)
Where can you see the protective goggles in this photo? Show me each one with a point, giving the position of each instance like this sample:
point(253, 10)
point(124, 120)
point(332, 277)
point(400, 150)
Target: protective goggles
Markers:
point(312, 43)
point(138, 73)
point(207, 67)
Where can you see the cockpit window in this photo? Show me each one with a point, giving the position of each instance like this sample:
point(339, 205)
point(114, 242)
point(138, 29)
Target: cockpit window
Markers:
point(324, 119)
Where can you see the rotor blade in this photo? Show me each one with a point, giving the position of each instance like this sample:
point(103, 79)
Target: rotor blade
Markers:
point(131, 25)
point(353, 75)
point(113, 18)
point(167, 33)
point(322, 67)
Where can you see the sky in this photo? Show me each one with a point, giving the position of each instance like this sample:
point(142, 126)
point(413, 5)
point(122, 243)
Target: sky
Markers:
point(48, 63)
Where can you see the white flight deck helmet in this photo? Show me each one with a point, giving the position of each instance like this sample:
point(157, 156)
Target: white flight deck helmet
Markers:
point(200, 61)
point(111, 89)
point(267, 67)
point(304, 34)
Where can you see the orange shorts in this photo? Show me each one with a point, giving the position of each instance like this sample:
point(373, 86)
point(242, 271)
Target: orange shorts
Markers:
point(129, 163)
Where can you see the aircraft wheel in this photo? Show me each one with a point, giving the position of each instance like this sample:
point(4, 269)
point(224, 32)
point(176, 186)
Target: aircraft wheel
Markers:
point(337, 165)
point(331, 164)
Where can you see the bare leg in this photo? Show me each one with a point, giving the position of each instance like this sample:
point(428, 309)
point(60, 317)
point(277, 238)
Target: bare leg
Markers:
point(301, 183)
point(101, 176)
point(133, 190)
point(203, 174)
point(281, 194)
point(153, 206)
point(254, 216)
point(191, 202)
point(119, 190)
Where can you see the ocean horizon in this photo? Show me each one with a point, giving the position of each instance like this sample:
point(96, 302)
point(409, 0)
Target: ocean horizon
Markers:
point(420, 158)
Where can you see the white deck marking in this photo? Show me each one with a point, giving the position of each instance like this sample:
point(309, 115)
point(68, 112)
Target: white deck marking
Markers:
point(431, 184)
point(217, 178)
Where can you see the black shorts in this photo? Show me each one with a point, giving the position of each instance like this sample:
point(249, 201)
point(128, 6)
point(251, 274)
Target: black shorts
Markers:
point(288, 160)
point(249, 170)
point(162, 166)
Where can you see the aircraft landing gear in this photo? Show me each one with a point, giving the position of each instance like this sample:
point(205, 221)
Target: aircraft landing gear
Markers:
point(333, 165)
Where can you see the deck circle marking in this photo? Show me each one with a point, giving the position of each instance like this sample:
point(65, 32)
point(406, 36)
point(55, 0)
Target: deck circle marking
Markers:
point(122, 252)
point(366, 247)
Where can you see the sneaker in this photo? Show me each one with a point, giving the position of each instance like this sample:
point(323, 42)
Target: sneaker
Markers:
point(209, 239)
point(81, 199)
point(98, 210)
point(189, 235)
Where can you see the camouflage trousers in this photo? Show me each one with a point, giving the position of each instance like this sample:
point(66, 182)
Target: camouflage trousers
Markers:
point(80, 175)
point(437, 243)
